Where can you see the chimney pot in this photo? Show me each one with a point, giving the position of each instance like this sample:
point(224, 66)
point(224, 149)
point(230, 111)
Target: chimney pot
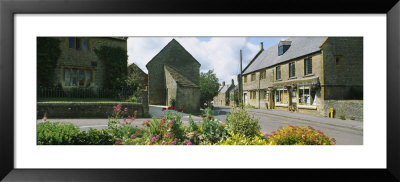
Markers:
point(262, 45)
point(233, 82)
point(223, 83)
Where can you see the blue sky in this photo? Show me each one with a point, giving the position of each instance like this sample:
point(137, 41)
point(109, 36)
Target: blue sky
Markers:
point(220, 54)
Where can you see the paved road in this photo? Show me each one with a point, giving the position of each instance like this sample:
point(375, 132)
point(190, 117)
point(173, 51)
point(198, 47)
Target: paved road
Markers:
point(346, 132)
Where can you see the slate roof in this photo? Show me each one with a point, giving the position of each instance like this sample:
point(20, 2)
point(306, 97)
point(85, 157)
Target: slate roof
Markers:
point(225, 88)
point(300, 46)
point(180, 79)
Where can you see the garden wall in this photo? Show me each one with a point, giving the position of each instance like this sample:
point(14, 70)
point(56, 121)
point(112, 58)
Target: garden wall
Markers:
point(349, 109)
point(87, 110)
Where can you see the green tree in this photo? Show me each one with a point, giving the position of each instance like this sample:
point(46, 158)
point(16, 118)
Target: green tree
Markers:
point(135, 79)
point(208, 86)
point(48, 52)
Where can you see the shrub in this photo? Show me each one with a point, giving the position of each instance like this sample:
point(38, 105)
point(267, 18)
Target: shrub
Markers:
point(240, 122)
point(211, 131)
point(248, 106)
point(299, 135)
point(172, 102)
point(95, 137)
point(237, 139)
point(49, 133)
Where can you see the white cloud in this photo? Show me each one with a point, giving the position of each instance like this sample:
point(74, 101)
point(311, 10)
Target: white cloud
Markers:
point(218, 53)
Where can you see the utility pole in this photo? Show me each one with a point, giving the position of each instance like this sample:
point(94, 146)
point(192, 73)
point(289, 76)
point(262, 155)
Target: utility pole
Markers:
point(241, 82)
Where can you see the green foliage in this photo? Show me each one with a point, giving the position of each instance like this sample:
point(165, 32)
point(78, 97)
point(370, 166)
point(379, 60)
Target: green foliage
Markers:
point(95, 137)
point(49, 133)
point(211, 130)
point(135, 80)
point(172, 102)
point(192, 125)
point(208, 86)
point(115, 63)
point(237, 139)
point(48, 52)
point(299, 135)
point(240, 122)
point(248, 106)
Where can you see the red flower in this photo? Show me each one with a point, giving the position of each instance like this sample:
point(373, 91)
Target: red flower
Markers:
point(209, 117)
point(170, 108)
point(180, 110)
point(203, 116)
point(163, 109)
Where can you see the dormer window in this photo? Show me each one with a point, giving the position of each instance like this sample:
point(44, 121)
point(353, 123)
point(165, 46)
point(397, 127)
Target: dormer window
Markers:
point(283, 46)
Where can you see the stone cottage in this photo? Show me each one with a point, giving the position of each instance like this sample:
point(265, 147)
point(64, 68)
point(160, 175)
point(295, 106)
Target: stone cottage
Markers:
point(308, 74)
point(78, 65)
point(224, 95)
point(174, 74)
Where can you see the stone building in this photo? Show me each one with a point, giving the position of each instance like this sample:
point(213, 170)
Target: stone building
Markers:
point(174, 74)
point(224, 95)
point(78, 65)
point(308, 74)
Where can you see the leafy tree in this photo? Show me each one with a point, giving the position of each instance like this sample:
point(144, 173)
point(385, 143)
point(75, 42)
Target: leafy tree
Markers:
point(135, 79)
point(48, 52)
point(208, 86)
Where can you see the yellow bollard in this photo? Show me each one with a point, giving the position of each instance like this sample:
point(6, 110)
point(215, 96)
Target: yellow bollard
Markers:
point(331, 112)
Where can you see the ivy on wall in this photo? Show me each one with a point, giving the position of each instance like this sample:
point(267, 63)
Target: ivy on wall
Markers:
point(115, 62)
point(48, 52)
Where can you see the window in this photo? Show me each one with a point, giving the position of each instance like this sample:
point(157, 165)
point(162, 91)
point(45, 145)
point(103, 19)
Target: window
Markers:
point(253, 95)
point(84, 44)
point(253, 77)
point(281, 96)
point(280, 50)
point(245, 79)
point(308, 66)
point(292, 70)
point(278, 73)
point(264, 94)
point(78, 77)
point(78, 43)
point(263, 74)
point(71, 42)
point(306, 96)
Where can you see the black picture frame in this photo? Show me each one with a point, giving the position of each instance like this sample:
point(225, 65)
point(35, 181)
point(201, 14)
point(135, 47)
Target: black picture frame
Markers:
point(8, 8)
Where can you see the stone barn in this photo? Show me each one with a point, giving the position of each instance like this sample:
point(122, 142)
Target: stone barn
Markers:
point(174, 74)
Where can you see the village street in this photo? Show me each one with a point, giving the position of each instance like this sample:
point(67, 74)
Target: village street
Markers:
point(346, 132)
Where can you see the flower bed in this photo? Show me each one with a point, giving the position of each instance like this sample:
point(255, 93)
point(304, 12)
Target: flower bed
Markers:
point(240, 129)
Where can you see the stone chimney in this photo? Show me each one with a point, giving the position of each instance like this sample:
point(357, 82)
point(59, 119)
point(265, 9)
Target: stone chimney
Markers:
point(223, 83)
point(233, 82)
point(262, 45)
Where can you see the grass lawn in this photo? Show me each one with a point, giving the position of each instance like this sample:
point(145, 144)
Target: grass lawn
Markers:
point(109, 100)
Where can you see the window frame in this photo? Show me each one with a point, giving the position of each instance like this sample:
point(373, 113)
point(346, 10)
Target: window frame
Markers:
point(85, 79)
point(278, 70)
point(253, 77)
point(292, 69)
point(306, 66)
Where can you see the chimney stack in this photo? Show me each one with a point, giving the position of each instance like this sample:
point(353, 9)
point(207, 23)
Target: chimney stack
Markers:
point(223, 83)
point(233, 82)
point(262, 45)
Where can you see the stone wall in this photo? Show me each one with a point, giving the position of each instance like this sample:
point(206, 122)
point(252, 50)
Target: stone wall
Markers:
point(86, 110)
point(349, 109)
point(86, 59)
point(343, 68)
point(188, 98)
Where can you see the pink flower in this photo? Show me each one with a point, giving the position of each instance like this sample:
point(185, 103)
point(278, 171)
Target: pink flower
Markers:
point(126, 109)
point(189, 143)
point(119, 140)
point(133, 136)
point(153, 139)
point(124, 119)
point(135, 113)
